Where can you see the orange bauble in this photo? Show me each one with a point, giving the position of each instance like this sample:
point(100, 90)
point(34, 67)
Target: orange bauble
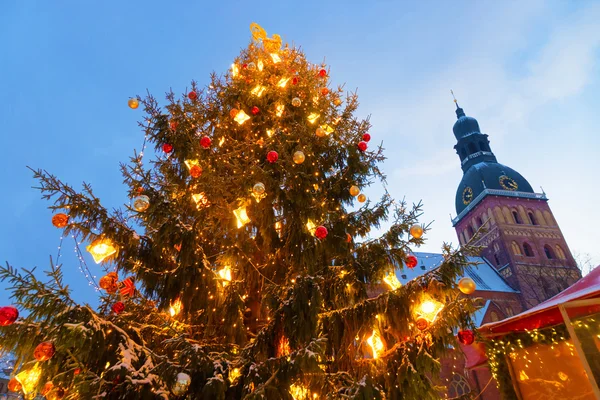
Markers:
point(109, 282)
point(47, 388)
point(324, 91)
point(14, 385)
point(60, 220)
point(44, 351)
point(467, 285)
point(422, 323)
point(196, 171)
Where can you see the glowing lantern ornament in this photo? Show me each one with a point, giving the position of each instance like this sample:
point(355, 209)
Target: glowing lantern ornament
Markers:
point(205, 142)
point(241, 216)
point(14, 385)
point(411, 261)
point(354, 190)
point(29, 379)
point(362, 146)
point(361, 198)
point(392, 281)
point(234, 374)
point(282, 82)
point(377, 346)
point(141, 203)
point(321, 232)
point(60, 220)
point(272, 156)
point(311, 226)
point(167, 148)
point(299, 392)
point(200, 199)
point(241, 117)
point(258, 191)
point(466, 337)
point(101, 249)
point(235, 71)
point(118, 307)
point(175, 307)
point(313, 117)
point(192, 95)
point(225, 275)
point(296, 102)
point(427, 312)
point(44, 351)
point(133, 103)
point(109, 282)
point(467, 285)
point(279, 110)
point(8, 315)
point(416, 231)
point(299, 157)
point(258, 90)
point(181, 384)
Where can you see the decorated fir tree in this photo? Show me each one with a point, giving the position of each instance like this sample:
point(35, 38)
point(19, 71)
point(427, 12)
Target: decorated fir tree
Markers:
point(243, 268)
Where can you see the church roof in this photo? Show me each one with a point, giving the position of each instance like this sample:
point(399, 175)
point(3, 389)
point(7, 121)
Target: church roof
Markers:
point(483, 273)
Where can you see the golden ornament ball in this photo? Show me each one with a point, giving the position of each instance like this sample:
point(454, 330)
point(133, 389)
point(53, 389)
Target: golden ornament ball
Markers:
point(296, 102)
point(467, 285)
point(354, 190)
point(251, 66)
point(60, 220)
point(141, 203)
point(133, 103)
point(182, 384)
point(362, 198)
point(259, 188)
point(337, 101)
point(299, 157)
point(44, 351)
point(320, 132)
point(416, 231)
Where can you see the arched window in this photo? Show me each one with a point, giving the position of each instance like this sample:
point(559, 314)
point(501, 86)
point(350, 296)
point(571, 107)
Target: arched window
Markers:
point(527, 250)
point(549, 252)
point(459, 386)
point(494, 316)
point(516, 217)
point(472, 148)
point(497, 260)
point(516, 249)
point(509, 312)
point(479, 221)
point(560, 253)
point(532, 219)
point(471, 231)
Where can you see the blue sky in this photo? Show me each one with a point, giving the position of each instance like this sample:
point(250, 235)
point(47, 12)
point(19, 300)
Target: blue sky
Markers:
point(528, 71)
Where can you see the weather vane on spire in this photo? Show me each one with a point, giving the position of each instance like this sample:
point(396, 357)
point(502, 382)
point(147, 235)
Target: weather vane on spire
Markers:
point(454, 97)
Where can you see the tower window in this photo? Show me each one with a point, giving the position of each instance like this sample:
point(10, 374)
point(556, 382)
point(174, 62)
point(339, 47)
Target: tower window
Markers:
point(532, 219)
point(517, 217)
point(527, 250)
point(515, 248)
point(471, 231)
point(463, 153)
point(479, 221)
point(497, 260)
point(472, 148)
point(549, 252)
point(560, 253)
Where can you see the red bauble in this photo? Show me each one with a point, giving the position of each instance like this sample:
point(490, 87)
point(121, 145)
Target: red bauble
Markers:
point(466, 337)
point(205, 142)
point(8, 315)
point(118, 307)
point(193, 95)
point(44, 351)
point(295, 80)
point(255, 110)
point(323, 73)
point(411, 261)
point(167, 148)
point(362, 146)
point(348, 238)
point(321, 232)
point(173, 125)
point(244, 66)
point(196, 171)
point(77, 371)
point(272, 156)
point(366, 137)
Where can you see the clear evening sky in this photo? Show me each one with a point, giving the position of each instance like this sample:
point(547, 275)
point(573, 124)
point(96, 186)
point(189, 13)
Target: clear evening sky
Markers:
point(527, 70)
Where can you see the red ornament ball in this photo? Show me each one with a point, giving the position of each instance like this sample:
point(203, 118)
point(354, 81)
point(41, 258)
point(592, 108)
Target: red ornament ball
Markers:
point(272, 156)
point(362, 146)
point(118, 307)
point(422, 323)
point(255, 110)
point(348, 238)
point(8, 315)
point(44, 351)
point(193, 95)
point(321, 232)
point(244, 66)
point(295, 80)
point(366, 137)
point(196, 171)
point(173, 125)
point(411, 261)
point(323, 73)
point(205, 142)
point(77, 371)
point(466, 337)
point(167, 148)
point(60, 220)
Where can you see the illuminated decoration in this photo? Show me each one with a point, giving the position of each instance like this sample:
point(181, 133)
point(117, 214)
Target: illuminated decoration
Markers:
point(191, 163)
point(392, 281)
point(241, 216)
point(225, 275)
point(311, 227)
point(251, 66)
point(200, 199)
point(241, 117)
point(260, 65)
point(296, 102)
point(235, 71)
point(279, 110)
point(313, 117)
point(429, 310)
point(282, 82)
point(377, 346)
point(416, 231)
point(175, 307)
point(275, 57)
point(299, 157)
point(133, 103)
point(467, 285)
point(327, 128)
point(299, 392)
point(283, 347)
point(221, 141)
point(234, 374)
point(258, 90)
point(259, 191)
point(29, 379)
point(101, 249)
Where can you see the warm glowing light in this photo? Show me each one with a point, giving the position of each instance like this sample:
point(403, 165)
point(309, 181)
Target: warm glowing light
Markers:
point(311, 226)
point(429, 309)
point(327, 128)
point(175, 308)
point(29, 378)
point(200, 199)
point(299, 392)
point(275, 57)
point(283, 347)
point(258, 90)
point(234, 70)
point(376, 344)
point(282, 82)
point(221, 141)
point(260, 65)
point(191, 163)
point(234, 374)
point(225, 275)
point(101, 249)
point(313, 117)
point(241, 117)
point(241, 216)
point(279, 110)
point(392, 281)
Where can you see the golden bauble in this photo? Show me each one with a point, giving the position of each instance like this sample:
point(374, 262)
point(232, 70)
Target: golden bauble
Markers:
point(259, 188)
point(296, 102)
point(251, 66)
point(362, 198)
point(354, 190)
point(60, 220)
point(416, 231)
point(337, 101)
point(182, 384)
point(133, 103)
point(141, 203)
point(467, 285)
point(320, 132)
point(299, 157)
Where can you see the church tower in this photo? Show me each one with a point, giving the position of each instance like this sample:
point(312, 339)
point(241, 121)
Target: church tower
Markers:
point(515, 226)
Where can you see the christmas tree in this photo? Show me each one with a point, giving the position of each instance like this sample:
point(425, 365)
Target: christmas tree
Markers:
point(243, 267)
